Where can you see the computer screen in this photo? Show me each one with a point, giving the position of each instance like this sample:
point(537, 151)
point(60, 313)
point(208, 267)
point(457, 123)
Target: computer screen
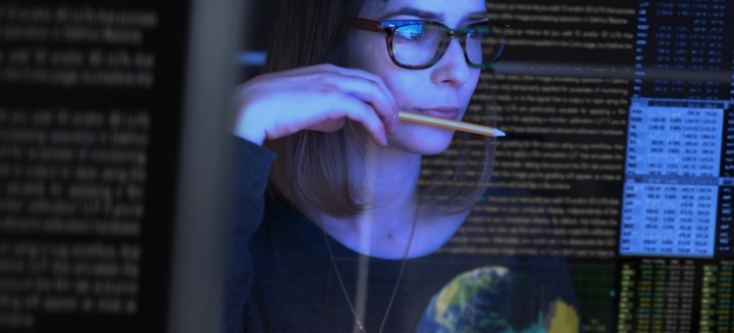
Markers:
point(620, 128)
point(624, 132)
point(102, 140)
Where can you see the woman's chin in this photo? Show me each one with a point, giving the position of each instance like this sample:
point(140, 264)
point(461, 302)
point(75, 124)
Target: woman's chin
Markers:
point(422, 139)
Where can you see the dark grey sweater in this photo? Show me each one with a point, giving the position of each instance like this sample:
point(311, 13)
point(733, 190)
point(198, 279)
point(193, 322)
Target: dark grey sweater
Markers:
point(281, 279)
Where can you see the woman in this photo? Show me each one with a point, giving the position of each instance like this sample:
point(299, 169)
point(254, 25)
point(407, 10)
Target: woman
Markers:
point(345, 209)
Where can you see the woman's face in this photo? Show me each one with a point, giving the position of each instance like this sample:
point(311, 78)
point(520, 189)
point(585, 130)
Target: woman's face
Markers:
point(442, 90)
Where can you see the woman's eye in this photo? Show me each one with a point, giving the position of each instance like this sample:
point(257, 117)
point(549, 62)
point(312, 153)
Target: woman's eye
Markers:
point(411, 34)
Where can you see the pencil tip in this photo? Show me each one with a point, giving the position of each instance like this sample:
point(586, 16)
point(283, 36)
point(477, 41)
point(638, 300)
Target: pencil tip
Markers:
point(498, 132)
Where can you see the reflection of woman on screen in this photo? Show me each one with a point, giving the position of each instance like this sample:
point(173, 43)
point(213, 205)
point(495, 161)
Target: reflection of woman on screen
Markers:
point(345, 208)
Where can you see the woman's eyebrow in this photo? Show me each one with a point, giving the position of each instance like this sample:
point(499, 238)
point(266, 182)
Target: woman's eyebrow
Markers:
point(426, 15)
point(411, 11)
point(475, 16)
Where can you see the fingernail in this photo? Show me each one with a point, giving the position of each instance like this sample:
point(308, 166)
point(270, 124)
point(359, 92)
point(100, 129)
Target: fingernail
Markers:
point(384, 141)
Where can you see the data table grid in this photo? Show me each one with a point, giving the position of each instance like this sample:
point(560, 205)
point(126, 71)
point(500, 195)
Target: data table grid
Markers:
point(672, 177)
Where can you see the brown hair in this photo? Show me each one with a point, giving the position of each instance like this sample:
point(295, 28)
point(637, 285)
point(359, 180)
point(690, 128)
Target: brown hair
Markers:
point(311, 169)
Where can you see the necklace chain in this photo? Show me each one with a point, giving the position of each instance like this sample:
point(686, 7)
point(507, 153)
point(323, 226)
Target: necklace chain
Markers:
point(397, 283)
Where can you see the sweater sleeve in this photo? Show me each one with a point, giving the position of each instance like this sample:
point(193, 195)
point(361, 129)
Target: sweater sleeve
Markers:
point(251, 177)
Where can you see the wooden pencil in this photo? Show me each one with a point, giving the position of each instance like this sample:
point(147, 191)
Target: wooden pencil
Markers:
point(449, 124)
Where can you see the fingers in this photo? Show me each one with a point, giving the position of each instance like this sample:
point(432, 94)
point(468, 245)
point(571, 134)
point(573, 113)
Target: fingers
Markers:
point(365, 75)
point(362, 85)
point(369, 92)
point(336, 108)
point(358, 111)
point(327, 95)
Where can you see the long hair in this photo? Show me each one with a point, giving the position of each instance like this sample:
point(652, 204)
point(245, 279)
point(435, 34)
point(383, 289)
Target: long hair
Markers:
point(311, 169)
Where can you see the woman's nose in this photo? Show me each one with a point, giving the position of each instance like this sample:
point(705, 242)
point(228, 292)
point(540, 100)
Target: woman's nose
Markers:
point(452, 67)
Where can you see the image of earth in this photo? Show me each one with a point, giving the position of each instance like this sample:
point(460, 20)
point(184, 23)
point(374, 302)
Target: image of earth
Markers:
point(493, 300)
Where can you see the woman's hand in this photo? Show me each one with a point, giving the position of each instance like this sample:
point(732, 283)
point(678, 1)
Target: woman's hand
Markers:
point(319, 98)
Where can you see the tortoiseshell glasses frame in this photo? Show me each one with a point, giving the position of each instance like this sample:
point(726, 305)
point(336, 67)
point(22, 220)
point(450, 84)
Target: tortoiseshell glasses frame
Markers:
point(388, 29)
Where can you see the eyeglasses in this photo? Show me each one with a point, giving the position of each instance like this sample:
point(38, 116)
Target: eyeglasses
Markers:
point(415, 44)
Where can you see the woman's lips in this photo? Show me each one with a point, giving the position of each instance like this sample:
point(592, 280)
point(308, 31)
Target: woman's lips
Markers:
point(445, 113)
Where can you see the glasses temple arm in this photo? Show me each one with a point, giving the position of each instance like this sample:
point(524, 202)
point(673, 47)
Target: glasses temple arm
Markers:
point(367, 25)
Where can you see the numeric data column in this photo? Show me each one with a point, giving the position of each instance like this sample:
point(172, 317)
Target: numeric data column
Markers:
point(716, 302)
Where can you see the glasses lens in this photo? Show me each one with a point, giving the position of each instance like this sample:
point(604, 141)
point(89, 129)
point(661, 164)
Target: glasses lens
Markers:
point(421, 44)
point(484, 43)
point(417, 45)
